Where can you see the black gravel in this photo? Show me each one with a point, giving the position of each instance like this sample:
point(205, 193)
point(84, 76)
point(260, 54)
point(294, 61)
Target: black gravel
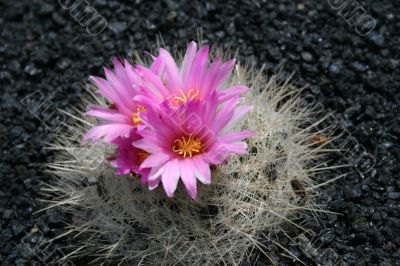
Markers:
point(42, 48)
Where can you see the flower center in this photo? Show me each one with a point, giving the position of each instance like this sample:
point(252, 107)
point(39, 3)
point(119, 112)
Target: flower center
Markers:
point(187, 146)
point(141, 156)
point(182, 98)
point(135, 116)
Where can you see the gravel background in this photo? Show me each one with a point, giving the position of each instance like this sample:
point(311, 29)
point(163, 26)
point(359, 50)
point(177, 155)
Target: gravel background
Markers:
point(43, 48)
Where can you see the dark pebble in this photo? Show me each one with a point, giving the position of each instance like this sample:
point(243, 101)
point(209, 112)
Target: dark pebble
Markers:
point(57, 18)
point(394, 195)
point(335, 68)
point(46, 9)
point(118, 27)
point(16, 228)
point(6, 234)
point(328, 237)
point(7, 214)
point(357, 66)
point(32, 70)
point(30, 126)
point(376, 39)
point(308, 57)
point(360, 225)
point(21, 170)
point(63, 64)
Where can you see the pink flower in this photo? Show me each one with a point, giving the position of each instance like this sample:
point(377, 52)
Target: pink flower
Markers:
point(193, 80)
point(119, 88)
point(131, 90)
point(129, 158)
point(184, 142)
point(170, 122)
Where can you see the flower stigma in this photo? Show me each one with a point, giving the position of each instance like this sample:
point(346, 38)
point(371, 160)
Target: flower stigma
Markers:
point(187, 146)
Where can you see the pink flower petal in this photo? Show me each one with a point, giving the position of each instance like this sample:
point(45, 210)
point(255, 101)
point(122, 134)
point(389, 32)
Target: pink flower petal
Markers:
point(188, 61)
point(153, 184)
point(198, 70)
point(108, 132)
point(188, 174)
point(107, 88)
point(170, 177)
point(224, 115)
point(108, 115)
point(158, 65)
point(237, 147)
point(147, 145)
point(231, 92)
point(155, 173)
point(153, 82)
point(223, 74)
point(173, 78)
point(203, 172)
point(119, 89)
point(144, 175)
point(236, 136)
point(155, 159)
point(238, 114)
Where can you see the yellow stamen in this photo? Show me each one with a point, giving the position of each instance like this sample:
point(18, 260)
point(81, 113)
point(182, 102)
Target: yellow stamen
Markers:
point(136, 119)
point(142, 155)
point(192, 95)
point(182, 98)
point(135, 116)
point(187, 146)
point(141, 109)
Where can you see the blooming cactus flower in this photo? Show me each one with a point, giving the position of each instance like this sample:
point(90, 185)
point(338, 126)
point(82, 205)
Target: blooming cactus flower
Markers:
point(129, 158)
point(184, 143)
point(130, 89)
point(120, 88)
point(193, 80)
point(152, 140)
